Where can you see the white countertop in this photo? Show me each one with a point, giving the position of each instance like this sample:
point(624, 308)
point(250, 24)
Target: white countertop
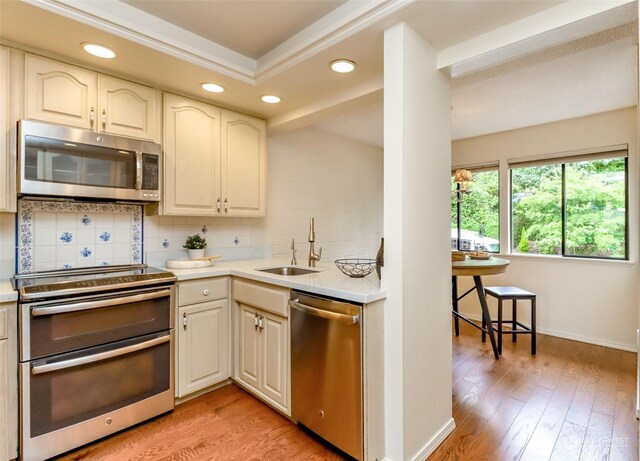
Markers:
point(7, 293)
point(328, 281)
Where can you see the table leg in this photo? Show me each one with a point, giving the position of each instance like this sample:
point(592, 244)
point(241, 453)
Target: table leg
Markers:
point(454, 301)
point(486, 316)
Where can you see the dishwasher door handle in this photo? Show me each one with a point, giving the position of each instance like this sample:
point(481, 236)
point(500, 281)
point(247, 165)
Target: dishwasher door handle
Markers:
point(349, 319)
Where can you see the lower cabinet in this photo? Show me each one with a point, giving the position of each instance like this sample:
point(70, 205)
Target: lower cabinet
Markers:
point(8, 382)
point(262, 362)
point(262, 353)
point(202, 327)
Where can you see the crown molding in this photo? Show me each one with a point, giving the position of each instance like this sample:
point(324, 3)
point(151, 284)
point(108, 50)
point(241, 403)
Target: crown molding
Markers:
point(125, 21)
point(340, 24)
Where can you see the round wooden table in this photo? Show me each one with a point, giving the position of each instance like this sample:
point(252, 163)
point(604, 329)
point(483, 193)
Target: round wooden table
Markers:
point(476, 268)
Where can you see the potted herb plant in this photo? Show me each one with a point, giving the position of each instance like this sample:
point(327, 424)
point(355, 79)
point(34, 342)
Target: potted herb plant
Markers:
point(196, 246)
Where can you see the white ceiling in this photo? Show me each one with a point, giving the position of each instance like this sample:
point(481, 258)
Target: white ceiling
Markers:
point(250, 27)
point(515, 63)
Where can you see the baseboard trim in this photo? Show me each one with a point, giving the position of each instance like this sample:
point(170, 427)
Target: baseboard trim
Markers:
point(572, 337)
point(435, 442)
point(432, 444)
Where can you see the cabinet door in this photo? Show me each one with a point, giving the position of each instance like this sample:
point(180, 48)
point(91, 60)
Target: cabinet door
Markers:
point(5, 157)
point(244, 157)
point(59, 93)
point(4, 397)
point(203, 352)
point(127, 109)
point(248, 347)
point(274, 360)
point(191, 157)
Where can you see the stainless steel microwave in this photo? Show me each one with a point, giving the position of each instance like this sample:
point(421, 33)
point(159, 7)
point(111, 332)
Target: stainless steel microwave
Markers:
point(59, 161)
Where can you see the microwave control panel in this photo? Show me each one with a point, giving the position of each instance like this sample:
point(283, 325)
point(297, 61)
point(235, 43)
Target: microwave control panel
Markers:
point(150, 172)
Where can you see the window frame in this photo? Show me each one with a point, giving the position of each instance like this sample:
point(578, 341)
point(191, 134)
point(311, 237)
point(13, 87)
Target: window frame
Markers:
point(479, 168)
point(563, 160)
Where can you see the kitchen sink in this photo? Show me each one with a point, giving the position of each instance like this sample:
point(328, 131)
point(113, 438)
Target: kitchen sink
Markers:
point(287, 270)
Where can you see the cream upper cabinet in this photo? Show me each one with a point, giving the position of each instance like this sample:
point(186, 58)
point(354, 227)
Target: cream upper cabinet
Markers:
point(243, 164)
point(215, 160)
point(128, 109)
point(191, 158)
point(60, 93)
point(6, 173)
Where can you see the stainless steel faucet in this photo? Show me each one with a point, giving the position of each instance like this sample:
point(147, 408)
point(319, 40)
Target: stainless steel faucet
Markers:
point(313, 257)
point(294, 261)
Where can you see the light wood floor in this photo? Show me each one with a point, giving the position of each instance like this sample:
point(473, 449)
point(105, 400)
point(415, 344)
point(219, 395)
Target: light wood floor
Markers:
point(573, 401)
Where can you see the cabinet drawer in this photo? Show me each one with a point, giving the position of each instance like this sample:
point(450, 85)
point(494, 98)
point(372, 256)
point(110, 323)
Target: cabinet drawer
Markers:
point(4, 314)
point(268, 298)
point(197, 291)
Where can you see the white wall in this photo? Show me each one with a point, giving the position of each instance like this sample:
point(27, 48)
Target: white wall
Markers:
point(417, 273)
point(587, 300)
point(311, 173)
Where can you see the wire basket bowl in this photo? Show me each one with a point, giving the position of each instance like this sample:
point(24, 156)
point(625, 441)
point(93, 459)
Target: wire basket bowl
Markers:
point(356, 268)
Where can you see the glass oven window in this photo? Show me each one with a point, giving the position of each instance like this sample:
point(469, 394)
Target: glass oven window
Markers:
point(49, 160)
point(71, 395)
point(56, 333)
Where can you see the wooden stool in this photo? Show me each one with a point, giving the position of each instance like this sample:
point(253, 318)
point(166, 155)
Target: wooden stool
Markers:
point(513, 293)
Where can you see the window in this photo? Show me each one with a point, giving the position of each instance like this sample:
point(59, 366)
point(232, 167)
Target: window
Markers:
point(475, 219)
point(571, 206)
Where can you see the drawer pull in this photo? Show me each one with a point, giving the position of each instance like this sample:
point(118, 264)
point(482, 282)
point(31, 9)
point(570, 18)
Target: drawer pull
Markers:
point(205, 292)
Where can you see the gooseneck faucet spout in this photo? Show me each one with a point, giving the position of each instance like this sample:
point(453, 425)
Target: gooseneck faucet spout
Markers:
point(313, 256)
point(294, 261)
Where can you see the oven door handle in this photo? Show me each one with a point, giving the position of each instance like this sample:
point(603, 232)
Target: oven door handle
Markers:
point(53, 310)
point(49, 367)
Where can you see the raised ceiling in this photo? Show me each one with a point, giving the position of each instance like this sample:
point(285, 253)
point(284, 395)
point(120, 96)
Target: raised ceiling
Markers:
point(249, 27)
point(283, 47)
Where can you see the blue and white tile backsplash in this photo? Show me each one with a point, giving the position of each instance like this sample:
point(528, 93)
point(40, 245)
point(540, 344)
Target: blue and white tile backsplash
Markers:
point(64, 235)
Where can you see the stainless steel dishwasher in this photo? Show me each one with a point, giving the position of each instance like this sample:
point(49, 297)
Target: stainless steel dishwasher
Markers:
point(326, 369)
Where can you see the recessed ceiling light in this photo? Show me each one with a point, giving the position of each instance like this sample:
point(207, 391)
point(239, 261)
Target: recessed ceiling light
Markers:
point(342, 66)
point(270, 99)
point(98, 50)
point(212, 87)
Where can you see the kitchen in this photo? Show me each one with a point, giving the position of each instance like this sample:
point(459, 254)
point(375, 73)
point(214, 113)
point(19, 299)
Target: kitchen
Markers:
point(354, 203)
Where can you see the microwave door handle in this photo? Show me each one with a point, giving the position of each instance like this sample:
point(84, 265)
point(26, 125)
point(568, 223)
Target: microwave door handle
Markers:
point(138, 171)
point(66, 308)
point(49, 367)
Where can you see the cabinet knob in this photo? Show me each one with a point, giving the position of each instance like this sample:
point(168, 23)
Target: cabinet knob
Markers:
point(104, 119)
point(226, 205)
point(218, 207)
point(92, 117)
point(205, 292)
point(184, 320)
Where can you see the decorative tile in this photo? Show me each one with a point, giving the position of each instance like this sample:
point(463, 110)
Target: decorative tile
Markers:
point(75, 228)
point(66, 237)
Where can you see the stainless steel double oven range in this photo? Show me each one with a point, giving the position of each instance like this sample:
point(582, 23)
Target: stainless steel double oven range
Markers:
point(96, 354)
